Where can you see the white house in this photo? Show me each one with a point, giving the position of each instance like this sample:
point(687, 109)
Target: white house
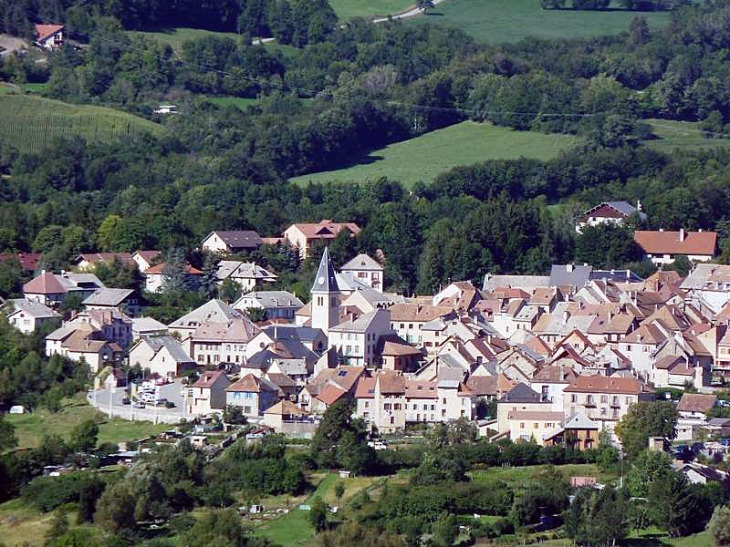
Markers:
point(248, 275)
point(366, 270)
point(162, 355)
point(609, 212)
point(663, 247)
point(275, 304)
point(357, 341)
point(208, 394)
point(231, 241)
point(49, 37)
point(29, 315)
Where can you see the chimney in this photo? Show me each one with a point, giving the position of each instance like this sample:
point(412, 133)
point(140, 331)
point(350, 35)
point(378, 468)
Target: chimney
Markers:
point(682, 236)
point(569, 267)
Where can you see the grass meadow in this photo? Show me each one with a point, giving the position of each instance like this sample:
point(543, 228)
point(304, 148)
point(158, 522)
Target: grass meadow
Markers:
point(423, 158)
point(32, 123)
point(499, 21)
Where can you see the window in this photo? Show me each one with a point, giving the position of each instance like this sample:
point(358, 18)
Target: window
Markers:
point(628, 347)
point(522, 425)
point(604, 398)
point(443, 401)
point(247, 410)
point(573, 398)
point(367, 404)
point(603, 411)
point(535, 425)
point(386, 406)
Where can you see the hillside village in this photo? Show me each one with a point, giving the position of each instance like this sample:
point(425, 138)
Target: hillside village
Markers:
point(550, 359)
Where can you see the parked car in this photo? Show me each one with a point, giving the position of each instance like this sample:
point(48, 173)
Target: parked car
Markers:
point(160, 402)
point(377, 445)
point(139, 404)
point(162, 381)
point(126, 401)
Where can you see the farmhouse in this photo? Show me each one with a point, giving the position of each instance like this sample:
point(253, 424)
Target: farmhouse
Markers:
point(29, 315)
point(49, 37)
point(231, 241)
point(664, 247)
point(366, 270)
point(609, 212)
point(303, 236)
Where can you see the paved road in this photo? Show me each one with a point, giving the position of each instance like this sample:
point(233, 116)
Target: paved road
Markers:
point(110, 403)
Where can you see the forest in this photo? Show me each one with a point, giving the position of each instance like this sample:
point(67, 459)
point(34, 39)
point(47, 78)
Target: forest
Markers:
point(358, 88)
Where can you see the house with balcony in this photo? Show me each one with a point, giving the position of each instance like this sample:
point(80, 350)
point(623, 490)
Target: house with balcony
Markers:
point(604, 400)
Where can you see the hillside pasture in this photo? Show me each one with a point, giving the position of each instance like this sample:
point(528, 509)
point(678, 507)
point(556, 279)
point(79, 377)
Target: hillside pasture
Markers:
point(369, 9)
point(500, 21)
point(424, 157)
point(32, 123)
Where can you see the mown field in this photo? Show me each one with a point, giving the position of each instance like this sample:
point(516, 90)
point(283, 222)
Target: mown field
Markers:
point(175, 37)
point(673, 135)
point(30, 428)
point(423, 158)
point(498, 21)
point(31, 123)
point(348, 9)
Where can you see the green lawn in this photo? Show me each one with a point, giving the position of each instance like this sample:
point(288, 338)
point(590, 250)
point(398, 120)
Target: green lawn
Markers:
point(681, 135)
point(498, 21)
point(175, 37)
point(348, 9)
point(32, 427)
point(423, 158)
point(527, 473)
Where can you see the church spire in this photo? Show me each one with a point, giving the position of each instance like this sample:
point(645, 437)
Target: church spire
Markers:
point(325, 281)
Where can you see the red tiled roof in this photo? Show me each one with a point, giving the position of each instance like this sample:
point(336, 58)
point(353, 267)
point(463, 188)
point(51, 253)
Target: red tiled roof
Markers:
point(46, 31)
point(602, 384)
point(331, 394)
point(695, 243)
point(696, 402)
point(365, 388)
point(161, 266)
point(326, 229)
point(208, 378)
point(46, 283)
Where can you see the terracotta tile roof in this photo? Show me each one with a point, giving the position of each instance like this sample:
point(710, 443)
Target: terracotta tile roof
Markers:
point(252, 384)
point(602, 384)
point(285, 408)
point(43, 32)
point(158, 269)
point(538, 345)
point(365, 388)
point(696, 402)
point(694, 243)
point(483, 385)
point(542, 296)
point(536, 415)
point(556, 374)
point(417, 389)
point(326, 229)
point(417, 312)
point(645, 334)
point(46, 283)
point(331, 394)
point(390, 382)
point(208, 378)
point(393, 348)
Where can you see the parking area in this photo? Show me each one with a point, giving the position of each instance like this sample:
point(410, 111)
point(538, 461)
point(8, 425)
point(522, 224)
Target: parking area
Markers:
point(109, 401)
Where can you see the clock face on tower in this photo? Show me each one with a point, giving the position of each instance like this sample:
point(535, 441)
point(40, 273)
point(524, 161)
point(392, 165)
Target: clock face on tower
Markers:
point(320, 281)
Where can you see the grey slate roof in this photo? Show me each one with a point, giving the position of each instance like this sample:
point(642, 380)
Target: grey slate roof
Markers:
point(492, 282)
point(239, 239)
point(325, 280)
point(618, 276)
point(521, 393)
point(562, 275)
point(33, 308)
point(362, 262)
point(107, 297)
point(360, 324)
point(173, 346)
point(272, 299)
point(215, 310)
point(292, 332)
